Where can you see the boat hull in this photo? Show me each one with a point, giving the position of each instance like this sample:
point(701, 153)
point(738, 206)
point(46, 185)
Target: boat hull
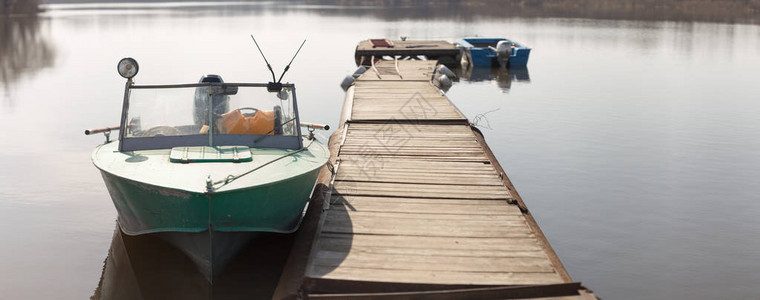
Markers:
point(210, 228)
point(145, 208)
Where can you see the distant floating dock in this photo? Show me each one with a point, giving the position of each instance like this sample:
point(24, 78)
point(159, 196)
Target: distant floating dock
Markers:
point(407, 49)
point(418, 207)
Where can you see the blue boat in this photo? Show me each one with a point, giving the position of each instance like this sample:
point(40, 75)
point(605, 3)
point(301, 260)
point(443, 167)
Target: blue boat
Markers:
point(487, 52)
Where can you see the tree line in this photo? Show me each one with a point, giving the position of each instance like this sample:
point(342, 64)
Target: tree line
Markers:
point(16, 7)
point(739, 11)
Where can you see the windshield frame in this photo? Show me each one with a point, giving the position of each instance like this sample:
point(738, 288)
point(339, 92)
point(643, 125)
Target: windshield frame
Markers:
point(213, 139)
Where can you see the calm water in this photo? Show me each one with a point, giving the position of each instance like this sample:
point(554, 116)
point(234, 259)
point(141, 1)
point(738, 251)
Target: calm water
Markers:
point(636, 145)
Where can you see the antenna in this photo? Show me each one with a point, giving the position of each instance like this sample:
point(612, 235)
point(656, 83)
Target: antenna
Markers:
point(265, 58)
point(291, 61)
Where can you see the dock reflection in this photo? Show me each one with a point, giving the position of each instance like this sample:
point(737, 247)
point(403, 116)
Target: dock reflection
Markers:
point(504, 77)
point(146, 267)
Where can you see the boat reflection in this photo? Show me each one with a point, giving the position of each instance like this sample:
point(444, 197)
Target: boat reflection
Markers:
point(146, 267)
point(504, 77)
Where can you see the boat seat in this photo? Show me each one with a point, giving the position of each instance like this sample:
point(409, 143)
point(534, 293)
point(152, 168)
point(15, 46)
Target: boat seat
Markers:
point(277, 120)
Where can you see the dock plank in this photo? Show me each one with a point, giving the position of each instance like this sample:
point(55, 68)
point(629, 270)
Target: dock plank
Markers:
point(412, 252)
point(425, 242)
point(420, 190)
point(435, 277)
point(361, 175)
point(497, 244)
point(464, 204)
point(345, 212)
point(527, 264)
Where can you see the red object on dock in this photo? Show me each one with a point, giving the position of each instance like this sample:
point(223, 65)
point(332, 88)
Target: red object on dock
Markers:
point(380, 43)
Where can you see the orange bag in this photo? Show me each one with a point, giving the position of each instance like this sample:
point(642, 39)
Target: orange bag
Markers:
point(260, 123)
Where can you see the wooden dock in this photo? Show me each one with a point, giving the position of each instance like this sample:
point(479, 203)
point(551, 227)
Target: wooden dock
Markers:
point(418, 207)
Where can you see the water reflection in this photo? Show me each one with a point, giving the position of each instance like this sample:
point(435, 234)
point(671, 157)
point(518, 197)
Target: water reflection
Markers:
point(146, 267)
point(23, 50)
point(502, 76)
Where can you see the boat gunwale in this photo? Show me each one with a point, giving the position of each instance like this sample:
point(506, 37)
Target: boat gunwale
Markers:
point(216, 191)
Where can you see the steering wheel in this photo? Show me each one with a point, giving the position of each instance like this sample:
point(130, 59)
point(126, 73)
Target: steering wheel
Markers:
point(161, 131)
point(248, 108)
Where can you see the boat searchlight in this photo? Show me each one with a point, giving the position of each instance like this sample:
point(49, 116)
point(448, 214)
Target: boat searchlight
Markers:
point(128, 67)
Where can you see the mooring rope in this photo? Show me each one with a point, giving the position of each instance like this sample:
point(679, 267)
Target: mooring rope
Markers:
point(231, 178)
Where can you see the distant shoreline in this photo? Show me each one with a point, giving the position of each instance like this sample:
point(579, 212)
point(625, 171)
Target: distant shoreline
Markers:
point(19, 7)
point(728, 11)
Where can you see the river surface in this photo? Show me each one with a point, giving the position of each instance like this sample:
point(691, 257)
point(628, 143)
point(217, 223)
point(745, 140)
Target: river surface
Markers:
point(636, 144)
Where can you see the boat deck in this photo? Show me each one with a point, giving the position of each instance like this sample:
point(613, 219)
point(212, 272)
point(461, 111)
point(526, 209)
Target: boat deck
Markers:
point(419, 207)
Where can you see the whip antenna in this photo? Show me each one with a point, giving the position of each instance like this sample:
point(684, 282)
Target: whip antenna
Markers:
point(291, 61)
point(265, 58)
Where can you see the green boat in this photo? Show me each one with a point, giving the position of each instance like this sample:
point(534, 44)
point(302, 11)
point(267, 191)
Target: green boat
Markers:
point(208, 165)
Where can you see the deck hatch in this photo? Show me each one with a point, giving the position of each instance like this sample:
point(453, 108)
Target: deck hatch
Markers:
point(210, 154)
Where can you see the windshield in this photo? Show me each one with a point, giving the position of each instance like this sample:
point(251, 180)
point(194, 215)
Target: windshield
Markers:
point(209, 114)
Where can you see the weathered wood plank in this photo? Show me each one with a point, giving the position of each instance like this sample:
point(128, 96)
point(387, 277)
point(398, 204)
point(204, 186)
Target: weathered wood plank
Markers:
point(414, 152)
point(404, 112)
point(431, 222)
point(383, 158)
point(420, 190)
point(369, 168)
point(370, 175)
point(419, 130)
point(368, 290)
point(413, 227)
point(474, 203)
point(422, 132)
point(382, 134)
point(420, 165)
point(427, 127)
point(400, 101)
point(424, 242)
point(394, 150)
point(424, 205)
point(347, 212)
point(410, 144)
point(400, 145)
point(411, 252)
point(365, 166)
point(435, 277)
point(417, 116)
point(433, 263)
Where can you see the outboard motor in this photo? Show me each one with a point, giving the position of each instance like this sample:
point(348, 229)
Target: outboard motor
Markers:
point(503, 52)
point(220, 101)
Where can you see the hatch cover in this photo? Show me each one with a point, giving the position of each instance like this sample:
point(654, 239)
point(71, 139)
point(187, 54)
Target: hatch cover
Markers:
point(210, 154)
